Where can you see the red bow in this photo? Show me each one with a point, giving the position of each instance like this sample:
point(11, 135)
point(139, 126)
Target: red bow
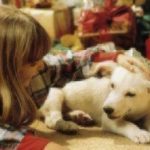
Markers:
point(100, 20)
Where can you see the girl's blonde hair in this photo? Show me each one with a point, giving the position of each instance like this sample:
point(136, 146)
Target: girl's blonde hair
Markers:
point(22, 40)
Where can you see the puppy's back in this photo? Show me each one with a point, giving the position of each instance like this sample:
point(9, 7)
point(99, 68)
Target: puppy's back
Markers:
point(86, 93)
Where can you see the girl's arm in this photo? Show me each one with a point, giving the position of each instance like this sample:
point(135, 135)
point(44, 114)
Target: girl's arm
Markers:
point(73, 63)
point(70, 65)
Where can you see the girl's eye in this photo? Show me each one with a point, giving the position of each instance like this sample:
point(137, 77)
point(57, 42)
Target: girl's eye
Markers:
point(112, 85)
point(130, 94)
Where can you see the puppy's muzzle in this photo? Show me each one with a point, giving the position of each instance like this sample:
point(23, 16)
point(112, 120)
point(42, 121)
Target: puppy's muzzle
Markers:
point(108, 110)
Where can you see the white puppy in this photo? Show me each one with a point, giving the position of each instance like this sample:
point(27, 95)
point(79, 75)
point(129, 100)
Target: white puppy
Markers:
point(113, 103)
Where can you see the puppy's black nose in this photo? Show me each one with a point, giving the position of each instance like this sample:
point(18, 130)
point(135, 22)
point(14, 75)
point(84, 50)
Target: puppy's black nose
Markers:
point(108, 110)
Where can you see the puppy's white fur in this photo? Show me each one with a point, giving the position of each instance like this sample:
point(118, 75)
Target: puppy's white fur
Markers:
point(125, 92)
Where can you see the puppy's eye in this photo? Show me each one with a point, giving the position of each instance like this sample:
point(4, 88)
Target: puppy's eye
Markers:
point(129, 94)
point(112, 85)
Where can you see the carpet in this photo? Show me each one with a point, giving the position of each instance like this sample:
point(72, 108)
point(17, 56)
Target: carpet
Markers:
point(89, 138)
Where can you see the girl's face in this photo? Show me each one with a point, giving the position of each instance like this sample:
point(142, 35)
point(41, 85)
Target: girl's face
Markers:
point(28, 71)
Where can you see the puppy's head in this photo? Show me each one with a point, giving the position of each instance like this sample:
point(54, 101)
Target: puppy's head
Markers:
point(129, 94)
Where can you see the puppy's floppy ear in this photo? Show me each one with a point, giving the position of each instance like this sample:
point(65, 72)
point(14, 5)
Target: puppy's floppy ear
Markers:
point(104, 68)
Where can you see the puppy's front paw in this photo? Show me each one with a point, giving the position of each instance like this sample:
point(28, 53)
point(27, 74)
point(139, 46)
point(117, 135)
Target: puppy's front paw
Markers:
point(140, 136)
point(67, 127)
point(81, 118)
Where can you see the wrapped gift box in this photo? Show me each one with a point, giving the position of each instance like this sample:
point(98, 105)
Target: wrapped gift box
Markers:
point(57, 22)
point(108, 23)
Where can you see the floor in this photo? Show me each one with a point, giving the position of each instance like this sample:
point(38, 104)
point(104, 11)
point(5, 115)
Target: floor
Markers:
point(92, 138)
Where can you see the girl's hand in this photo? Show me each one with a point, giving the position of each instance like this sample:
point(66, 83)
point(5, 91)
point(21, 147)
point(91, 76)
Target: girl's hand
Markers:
point(132, 63)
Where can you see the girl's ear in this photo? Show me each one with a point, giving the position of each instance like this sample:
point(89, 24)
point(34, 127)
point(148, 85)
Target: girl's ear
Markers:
point(103, 68)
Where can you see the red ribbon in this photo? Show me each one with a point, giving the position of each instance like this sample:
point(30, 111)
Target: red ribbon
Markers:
point(101, 19)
